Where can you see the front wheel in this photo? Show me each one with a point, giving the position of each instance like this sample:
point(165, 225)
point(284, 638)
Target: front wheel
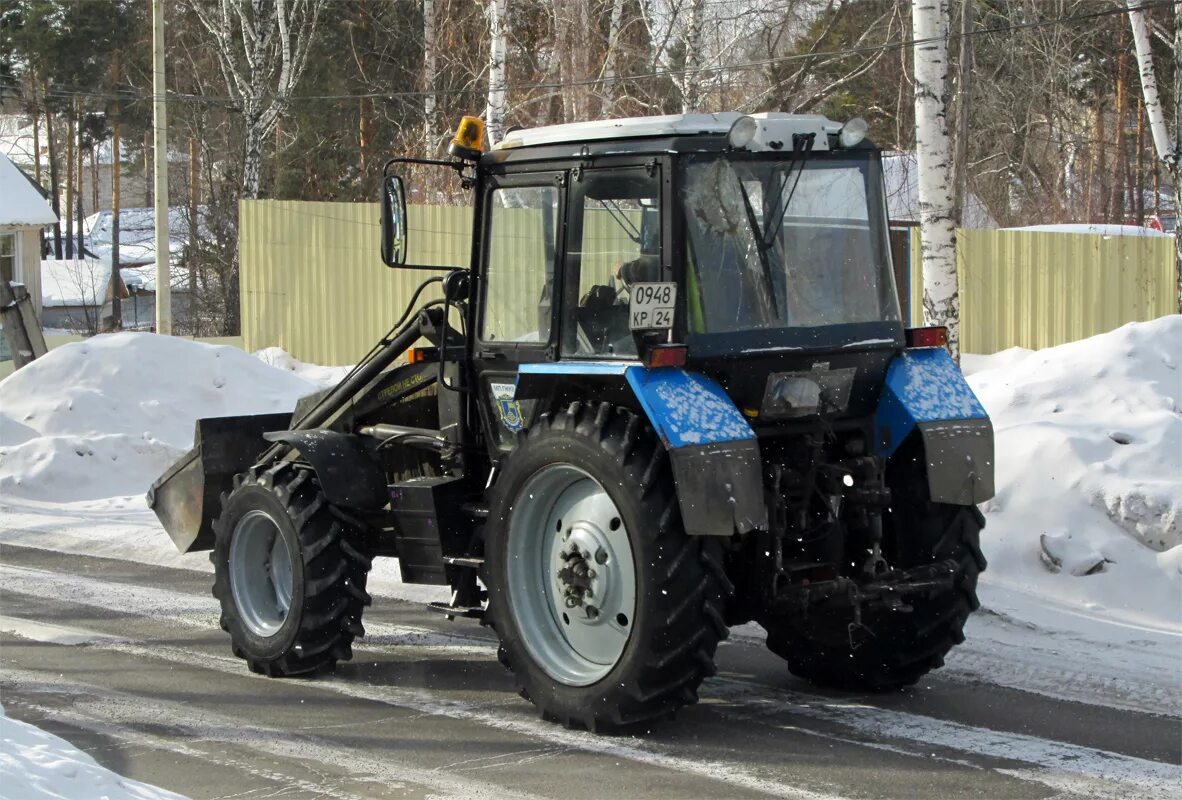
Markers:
point(289, 573)
point(608, 612)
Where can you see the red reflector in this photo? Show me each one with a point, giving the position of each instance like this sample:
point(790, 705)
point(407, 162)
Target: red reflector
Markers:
point(666, 355)
point(934, 336)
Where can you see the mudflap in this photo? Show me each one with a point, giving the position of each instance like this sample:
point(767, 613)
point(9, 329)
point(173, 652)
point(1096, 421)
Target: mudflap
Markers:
point(187, 497)
point(712, 448)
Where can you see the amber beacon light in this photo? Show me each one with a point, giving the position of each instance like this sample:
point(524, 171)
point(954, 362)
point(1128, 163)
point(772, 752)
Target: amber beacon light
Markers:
point(469, 139)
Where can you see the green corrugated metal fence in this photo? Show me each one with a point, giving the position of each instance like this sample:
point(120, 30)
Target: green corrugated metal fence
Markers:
point(1035, 289)
point(313, 282)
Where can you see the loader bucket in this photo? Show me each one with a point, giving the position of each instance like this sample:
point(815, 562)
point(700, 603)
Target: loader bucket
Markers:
point(187, 497)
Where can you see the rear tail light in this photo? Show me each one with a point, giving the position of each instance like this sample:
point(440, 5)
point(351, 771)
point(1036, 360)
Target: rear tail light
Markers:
point(666, 355)
point(933, 336)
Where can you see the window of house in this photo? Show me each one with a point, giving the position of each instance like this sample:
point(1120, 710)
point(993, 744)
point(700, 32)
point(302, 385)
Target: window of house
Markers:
point(8, 256)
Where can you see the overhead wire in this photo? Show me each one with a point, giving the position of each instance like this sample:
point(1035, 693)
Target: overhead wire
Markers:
point(744, 66)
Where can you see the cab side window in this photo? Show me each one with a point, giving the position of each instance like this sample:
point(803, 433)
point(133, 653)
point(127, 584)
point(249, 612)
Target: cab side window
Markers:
point(519, 272)
point(614, 243)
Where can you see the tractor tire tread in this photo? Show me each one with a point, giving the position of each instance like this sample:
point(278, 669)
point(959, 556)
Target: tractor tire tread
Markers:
point(674, 661)
point(334, 569)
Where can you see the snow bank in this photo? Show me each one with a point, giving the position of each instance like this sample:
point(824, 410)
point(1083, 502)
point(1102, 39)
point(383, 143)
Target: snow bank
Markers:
point(1089, 471)
point(35, 765)
point(104, 417)
point(280, 359)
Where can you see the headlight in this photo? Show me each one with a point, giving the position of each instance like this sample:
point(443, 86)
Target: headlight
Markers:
point(853, 132)
point(742, 132)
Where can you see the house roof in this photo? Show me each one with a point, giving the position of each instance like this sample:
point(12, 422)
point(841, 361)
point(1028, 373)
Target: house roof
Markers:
point(20, 202)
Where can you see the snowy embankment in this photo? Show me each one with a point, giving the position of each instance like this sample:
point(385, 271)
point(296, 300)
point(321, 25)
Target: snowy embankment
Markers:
point(103, 418)
point(35, 765)
point(1088, 511)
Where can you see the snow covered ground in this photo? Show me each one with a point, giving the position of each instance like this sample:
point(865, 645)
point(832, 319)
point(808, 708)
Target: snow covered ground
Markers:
point(35, 765)
point(1088, 510)
point(1082, 599)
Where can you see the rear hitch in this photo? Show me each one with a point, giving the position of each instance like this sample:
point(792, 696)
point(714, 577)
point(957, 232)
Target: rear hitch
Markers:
point(886, 591)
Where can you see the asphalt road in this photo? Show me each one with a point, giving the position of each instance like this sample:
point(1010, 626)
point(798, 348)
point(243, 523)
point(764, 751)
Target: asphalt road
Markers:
point(127, 662)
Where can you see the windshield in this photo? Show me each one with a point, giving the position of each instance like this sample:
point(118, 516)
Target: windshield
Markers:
point(785, 242)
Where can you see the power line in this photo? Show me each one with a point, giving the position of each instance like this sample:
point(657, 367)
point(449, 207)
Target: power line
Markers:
point(230, 102)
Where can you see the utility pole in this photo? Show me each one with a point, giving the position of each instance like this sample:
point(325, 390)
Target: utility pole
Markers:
point(53, 175)
point(160, 157)
point(147, 168)
point(70, 182)
point(194, 203)
point(116, 201)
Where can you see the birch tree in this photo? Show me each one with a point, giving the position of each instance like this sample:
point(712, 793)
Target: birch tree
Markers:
point(262, 49)
point(429, 142)
point(614, 26)
point(1168, 147)
point(494, 114)
point(690, 81)
point(941, 298)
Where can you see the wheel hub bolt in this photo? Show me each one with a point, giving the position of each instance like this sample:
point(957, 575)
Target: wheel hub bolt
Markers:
point(575, 577)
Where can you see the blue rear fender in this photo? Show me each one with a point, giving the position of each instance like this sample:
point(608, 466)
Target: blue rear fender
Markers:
point(926, 392)
point(712, 449)
point(714, 452)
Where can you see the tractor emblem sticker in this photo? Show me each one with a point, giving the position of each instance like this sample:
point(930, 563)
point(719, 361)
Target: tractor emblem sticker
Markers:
point(510, 412)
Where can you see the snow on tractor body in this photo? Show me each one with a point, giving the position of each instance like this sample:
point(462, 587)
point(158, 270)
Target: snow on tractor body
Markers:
point(671, 393)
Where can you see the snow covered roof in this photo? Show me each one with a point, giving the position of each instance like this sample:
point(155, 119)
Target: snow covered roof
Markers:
point(137, 233)
point(20, 202)
point(1097, 228)
point(629, 127)
point(84, 282)
point(783, 125)
point(900, 171)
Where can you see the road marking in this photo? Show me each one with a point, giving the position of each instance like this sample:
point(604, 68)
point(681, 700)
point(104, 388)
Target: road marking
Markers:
point(1061, 765)
point(107, 711)
point(49, 633)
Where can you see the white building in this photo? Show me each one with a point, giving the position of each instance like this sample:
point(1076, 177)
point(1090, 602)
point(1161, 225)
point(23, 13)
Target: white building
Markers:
point(23, 213)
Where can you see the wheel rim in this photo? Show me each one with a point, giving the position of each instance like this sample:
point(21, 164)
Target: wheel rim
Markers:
point(572, 579)
point(260, 573)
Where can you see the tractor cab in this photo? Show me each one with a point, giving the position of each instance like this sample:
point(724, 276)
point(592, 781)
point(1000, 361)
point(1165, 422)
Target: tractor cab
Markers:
point(742, 246)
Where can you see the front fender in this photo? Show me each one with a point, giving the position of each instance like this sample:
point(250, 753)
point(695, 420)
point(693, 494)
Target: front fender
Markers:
point(348, 474)
point(926, 391)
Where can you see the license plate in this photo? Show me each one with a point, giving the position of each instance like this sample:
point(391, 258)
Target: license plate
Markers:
point(651, 306)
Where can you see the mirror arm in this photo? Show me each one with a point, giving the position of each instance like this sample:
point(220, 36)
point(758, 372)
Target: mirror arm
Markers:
point(458, 166)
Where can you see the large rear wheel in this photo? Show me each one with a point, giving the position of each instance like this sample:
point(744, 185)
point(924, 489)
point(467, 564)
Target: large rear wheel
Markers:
point(894, 647)
point(289, 572)
point(608, 612)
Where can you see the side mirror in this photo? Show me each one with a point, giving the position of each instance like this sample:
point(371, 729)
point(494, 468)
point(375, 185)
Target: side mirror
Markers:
point(394, 227)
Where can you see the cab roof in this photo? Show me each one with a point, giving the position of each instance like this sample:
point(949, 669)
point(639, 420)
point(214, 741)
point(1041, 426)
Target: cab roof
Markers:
point(673, 125)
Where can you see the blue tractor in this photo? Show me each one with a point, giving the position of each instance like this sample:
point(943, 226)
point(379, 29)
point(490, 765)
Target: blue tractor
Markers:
point(672, 392)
